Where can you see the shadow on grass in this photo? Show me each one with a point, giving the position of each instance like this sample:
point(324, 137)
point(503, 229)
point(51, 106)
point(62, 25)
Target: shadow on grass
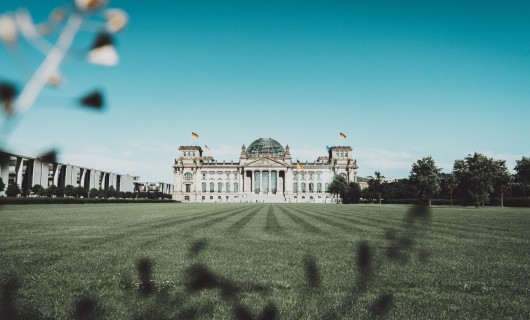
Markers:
point(149, 299)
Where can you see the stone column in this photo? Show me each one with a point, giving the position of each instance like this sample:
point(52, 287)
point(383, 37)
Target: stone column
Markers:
point(279, 183)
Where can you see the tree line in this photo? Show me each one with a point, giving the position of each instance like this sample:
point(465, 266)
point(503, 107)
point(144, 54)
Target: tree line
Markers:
point(70, 191)
point(475, 180)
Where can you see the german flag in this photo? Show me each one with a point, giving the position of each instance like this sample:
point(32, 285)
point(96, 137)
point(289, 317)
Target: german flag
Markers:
point(342, 135)
point(194, 135)
point(299, 165)
point(206, 147)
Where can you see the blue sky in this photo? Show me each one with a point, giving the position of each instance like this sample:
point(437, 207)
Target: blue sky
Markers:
point(439, 78)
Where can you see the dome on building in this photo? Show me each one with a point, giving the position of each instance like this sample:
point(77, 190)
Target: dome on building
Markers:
point(265, 146)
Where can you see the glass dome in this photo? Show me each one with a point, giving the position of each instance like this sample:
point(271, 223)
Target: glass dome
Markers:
point(265, 146)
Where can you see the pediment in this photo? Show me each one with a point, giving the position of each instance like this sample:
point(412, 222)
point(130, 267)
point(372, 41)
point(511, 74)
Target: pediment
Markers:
point(265, 162)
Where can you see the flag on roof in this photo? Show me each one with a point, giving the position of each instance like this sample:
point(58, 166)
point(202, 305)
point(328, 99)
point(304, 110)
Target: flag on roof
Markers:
point(342, 135)
point(299, 165)
point(206, 147)
point(328, 148)
point(194, 135)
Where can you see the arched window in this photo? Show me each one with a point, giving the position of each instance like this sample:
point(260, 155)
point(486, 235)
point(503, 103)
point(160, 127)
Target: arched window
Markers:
point(311, 189)
point(303, 186)
point(327, 187)
point(295, 187)
point(227, 189)
point(319, 187)
point(204, 187)
point(211, 187)
point(236, 187)
point(188, 176)
point(220, 187)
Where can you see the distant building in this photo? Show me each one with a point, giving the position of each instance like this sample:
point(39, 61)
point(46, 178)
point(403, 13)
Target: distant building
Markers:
point(28, 171)
point(265, 172)
point(141, 186)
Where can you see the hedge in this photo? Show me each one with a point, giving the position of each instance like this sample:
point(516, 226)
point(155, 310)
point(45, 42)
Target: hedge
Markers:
point(44, 200)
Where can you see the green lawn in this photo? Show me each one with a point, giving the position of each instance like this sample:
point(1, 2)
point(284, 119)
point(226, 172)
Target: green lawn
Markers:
point(252, 261)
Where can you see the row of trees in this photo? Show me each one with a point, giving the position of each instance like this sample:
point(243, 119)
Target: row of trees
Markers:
point(78, 192)
point(474, 180)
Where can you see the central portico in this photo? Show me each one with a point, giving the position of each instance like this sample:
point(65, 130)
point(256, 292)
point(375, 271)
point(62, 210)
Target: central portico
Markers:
point(265, 173)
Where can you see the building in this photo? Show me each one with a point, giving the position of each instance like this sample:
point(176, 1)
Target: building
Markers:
point(28, 171)
point(265, 172)
point(145, 186)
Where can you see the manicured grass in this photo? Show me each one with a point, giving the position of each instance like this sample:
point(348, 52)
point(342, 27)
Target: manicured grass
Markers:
point(232, 261)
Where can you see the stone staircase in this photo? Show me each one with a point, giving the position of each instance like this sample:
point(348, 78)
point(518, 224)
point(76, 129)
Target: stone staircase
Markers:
point(265, 198)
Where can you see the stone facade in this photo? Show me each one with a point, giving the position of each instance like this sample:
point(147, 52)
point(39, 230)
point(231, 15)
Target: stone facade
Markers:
point(28, 171)
point(265, 172)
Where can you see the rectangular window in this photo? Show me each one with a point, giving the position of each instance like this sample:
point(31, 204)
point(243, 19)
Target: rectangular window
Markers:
point(188, 188)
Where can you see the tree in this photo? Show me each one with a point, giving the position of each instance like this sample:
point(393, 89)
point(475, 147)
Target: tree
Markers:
point(80, 192)
point(352, 194)
point(93, 193)
point(2, 185)
point(111, 192)
point(338, 186)
point(51, 191)
point(37, 189)
point(42, 192)
point(59, 192)
point(12, 190)
point(69, 191)
point(375, 185)
point(448, 185)
point(522, 175)
point(425, 178)
point(476, 175)
point(502, 179)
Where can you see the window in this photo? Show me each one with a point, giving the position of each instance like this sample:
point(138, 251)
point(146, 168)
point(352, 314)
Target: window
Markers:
point(319, 187)
point(187, 198)
point(236, 187)
point(303, 186)
point(204, 176)
point(227, 189)
point(318, 175)
point(220, 187)
point(211, 187)
point(311, 187)
point(235, 176)
point(303, 176)
point(188, 188)
point(227, 176)
point(211, 197)
point(204, 187)
point(311, 176)
point(327, 187)
point(188, 176)
point(295, 187)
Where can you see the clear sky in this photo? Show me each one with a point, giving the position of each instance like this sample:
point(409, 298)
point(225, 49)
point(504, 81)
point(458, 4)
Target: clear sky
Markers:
point(440, 78)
